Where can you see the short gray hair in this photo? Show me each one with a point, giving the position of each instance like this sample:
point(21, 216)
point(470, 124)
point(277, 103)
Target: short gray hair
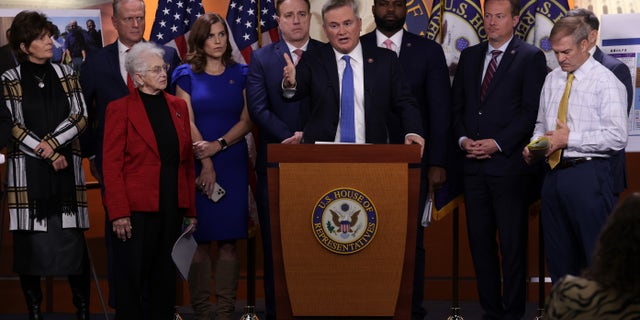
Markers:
point(136, 60)
point(335, 4)
point(116, 5)
point(573, 26)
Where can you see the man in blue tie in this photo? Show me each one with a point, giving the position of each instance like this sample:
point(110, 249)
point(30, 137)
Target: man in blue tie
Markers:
point(353, 87)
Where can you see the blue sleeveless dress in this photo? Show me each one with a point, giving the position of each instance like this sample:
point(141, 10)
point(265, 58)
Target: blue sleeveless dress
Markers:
point(217, 103)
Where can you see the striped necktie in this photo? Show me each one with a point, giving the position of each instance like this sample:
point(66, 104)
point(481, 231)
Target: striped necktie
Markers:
point(488, 75)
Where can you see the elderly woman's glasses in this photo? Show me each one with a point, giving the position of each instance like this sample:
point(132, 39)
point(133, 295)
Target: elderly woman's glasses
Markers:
point(159, 69)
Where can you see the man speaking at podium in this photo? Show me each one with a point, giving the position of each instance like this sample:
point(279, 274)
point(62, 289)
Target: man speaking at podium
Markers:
point(352, 87)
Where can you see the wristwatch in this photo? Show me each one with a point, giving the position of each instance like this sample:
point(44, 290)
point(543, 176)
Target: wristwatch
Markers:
point(223, 143)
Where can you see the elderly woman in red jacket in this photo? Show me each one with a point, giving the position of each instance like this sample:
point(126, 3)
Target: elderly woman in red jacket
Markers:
point(149, 177)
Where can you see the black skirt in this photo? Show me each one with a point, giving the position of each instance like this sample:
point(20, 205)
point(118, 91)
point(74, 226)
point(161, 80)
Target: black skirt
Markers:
point(56, 252)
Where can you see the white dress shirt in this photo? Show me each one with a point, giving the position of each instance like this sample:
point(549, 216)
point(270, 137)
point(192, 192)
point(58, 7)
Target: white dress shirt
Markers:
point(122, 54)
point(294, 56)
point(396, 40)
point(596, 114)
point(489, 55)
point(358, 90)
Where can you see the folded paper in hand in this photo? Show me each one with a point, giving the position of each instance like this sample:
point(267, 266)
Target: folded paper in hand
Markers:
point(427, 212)
point(183, 251)
point(539, 146)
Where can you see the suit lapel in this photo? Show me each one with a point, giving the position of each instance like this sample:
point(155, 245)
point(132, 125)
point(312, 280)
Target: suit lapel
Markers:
point(479, 69)
point(114, 63)
point(280, 49)
point(140, 121)
point(406, 46)
point(331, 69)
point(369, 72)
point(505, 62)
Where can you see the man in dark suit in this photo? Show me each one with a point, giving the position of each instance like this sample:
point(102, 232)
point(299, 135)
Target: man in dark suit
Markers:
point(7, 57)
point(621, 71)
point(375, 86)
point(495, 98)
point(425, 69)
point(278, 121)
point(103, 79)
point(7, 61)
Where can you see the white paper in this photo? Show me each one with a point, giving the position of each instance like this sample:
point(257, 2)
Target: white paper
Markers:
point(183, 251)
point(426, 213)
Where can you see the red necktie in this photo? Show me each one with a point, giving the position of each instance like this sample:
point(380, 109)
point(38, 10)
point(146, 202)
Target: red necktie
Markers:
point(491, 69)
point(130, 84)
point(298, 53)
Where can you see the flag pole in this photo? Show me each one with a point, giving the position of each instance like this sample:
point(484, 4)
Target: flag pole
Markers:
point(441, 9)
point(251, 241)
point(455, 308)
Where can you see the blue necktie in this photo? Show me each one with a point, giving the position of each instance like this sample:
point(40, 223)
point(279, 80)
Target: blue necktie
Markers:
point(347, 126)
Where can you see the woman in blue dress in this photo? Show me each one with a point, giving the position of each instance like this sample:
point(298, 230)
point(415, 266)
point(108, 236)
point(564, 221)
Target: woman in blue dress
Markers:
point(213, 86)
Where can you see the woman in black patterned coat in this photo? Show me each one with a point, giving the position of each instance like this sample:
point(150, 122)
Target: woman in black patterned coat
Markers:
point(45, 179)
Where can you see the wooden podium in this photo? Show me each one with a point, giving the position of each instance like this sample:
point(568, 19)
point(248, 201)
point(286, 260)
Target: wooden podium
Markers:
point(343, 225)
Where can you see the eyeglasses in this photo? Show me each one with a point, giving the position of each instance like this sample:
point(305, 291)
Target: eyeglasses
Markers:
point(159, 69)
point(129, 20)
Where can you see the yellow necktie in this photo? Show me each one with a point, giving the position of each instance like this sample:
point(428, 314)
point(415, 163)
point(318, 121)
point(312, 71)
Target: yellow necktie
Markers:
point(554, 158)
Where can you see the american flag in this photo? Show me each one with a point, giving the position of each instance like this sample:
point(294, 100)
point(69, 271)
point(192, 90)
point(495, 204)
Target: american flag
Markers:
point(247, 33)
point(173, 21)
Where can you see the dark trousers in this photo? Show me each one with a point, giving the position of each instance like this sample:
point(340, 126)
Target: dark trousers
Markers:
point(143, 267)
point(575, 204)
point(262, 196)
point(417, 297)
point(497, 204)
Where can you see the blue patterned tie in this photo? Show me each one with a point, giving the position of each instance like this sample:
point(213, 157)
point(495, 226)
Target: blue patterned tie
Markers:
point(347, 130)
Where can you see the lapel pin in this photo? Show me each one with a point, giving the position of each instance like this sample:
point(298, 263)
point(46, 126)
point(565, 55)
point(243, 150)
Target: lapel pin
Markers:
point(409, 44)
point(231, 82)
point(178, 114)
point(370, 60)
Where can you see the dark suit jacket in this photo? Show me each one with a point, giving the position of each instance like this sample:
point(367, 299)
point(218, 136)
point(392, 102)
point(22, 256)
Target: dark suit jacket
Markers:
point(508, 113)
point(7, 58)
point(385, 91)
point(7, 61)
point(425, 69)
point(102, 83)
point(132, 162)
point(275, 117)
point(621, 71)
